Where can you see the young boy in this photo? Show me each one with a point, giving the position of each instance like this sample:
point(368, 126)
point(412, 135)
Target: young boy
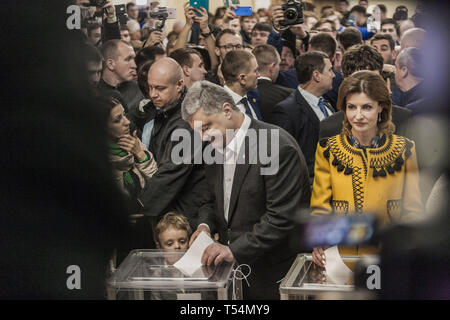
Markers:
point(173, 232)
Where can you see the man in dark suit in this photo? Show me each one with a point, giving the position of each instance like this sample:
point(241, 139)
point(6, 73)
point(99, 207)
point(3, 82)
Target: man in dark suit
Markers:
point(326, 43)
point(300, 113)
point(364, 57)
point(250, 202)
point(269, 67)
point(240, 72)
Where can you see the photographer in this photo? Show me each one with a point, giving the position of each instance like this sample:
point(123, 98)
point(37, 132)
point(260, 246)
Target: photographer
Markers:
point(205, 30)
point(288, 33)
point(110, 25)
point(287, 37)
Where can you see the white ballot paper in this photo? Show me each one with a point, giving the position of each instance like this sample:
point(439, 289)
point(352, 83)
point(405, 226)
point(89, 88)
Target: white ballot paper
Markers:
point(336, 270)
point(191, 261)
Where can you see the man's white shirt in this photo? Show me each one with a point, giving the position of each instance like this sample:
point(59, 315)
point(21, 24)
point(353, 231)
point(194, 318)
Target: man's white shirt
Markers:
point(313, 101)
point(237, 101)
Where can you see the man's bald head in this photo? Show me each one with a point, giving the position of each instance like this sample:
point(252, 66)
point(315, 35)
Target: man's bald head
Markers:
point(165, 82)
point(413, 38)
point(166, 68)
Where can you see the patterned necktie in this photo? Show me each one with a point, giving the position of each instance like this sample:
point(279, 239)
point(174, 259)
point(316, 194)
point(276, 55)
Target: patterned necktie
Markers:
point(322, 107)
point(244, 101)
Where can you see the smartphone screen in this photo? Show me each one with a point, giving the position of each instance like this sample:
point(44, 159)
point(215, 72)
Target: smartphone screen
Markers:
point(199, 3)
point(121, 14)
point(243, 11)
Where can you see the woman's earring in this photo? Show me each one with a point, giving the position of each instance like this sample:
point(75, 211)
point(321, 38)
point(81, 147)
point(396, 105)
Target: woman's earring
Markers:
point(379, 117)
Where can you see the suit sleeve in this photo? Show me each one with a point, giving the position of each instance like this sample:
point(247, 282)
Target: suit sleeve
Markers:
point(206, 212)
point(287, 191)
point(322, 191)
point(112, 31)
point(166, 183)
point(412, 204)
point(274, 39)
point(282, 119)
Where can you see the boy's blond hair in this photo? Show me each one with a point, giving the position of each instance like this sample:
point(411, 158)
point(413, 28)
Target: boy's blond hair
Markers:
point(175, 220)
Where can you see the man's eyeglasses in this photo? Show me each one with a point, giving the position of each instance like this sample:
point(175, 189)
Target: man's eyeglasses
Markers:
point(231, 47)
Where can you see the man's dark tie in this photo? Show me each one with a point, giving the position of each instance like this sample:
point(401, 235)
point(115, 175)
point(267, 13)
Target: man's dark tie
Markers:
point(322, 107)
point(244, 101)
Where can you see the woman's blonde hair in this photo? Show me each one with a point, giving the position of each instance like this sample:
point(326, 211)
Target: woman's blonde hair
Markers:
point(373, 85)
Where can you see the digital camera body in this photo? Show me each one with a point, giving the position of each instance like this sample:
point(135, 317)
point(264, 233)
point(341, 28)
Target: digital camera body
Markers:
point(97, 3)
point(160, 15)
point(293, 13)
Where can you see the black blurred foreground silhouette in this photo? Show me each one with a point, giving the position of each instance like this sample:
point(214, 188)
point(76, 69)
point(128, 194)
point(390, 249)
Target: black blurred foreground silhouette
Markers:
point(59, 204)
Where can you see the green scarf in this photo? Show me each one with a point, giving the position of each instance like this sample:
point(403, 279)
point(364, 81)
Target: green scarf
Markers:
point(114, 149)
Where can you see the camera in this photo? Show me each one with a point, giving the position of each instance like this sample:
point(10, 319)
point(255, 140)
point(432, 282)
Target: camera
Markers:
point(160, 15)
point(293, 13)
point(97, 3)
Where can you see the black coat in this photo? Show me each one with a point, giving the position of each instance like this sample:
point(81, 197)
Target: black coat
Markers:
point(295, 115)
point(177, 187)
point(332, 125)
point(261, 211)
point(270, 94)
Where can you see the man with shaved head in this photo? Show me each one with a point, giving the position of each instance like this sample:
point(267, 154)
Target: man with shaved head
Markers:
point(413, 38)
point(119, 73)
point(175, 186)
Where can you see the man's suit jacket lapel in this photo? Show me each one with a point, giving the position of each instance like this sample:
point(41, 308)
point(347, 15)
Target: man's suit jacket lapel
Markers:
point(253, 99)
point(240, 173)
point(218, 189)
point(307, 110)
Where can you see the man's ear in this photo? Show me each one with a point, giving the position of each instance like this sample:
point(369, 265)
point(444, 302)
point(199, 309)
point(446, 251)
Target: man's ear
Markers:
point(315, 76)
point(227, 110)
point(217, 51)
point(394, 54)
point(270, 68)
point(404, 71)
point(186, 71)
point(333, 59)
point(180, 85)
point(110, 64)
point(242, 79)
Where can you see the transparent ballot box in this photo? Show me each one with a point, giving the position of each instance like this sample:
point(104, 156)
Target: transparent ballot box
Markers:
point(151, 275)
point(305, 280)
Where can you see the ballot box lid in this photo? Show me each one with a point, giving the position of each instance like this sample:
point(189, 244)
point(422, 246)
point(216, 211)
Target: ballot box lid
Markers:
point(305, 278)
point(155, 270)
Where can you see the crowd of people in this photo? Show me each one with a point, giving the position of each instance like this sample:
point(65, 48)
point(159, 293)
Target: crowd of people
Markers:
point(342, 89)
point(343, 94)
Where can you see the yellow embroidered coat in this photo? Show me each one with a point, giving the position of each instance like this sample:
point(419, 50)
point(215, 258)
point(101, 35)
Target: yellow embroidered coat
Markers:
point(383, 180)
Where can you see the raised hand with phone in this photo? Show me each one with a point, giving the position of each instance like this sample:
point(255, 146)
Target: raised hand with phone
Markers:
point(197, 15)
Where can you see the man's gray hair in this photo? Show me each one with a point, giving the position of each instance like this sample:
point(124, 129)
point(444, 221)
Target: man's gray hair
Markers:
point(207, 96)
point(413, 59)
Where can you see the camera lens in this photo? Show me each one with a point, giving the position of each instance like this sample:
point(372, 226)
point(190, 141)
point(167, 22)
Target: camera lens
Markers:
point(290, 14)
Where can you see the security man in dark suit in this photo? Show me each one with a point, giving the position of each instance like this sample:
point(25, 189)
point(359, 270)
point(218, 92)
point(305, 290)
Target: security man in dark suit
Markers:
point(240, 72)
point(270, 93)
point(300, 113)
point(356, 58)
point(250, 202)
